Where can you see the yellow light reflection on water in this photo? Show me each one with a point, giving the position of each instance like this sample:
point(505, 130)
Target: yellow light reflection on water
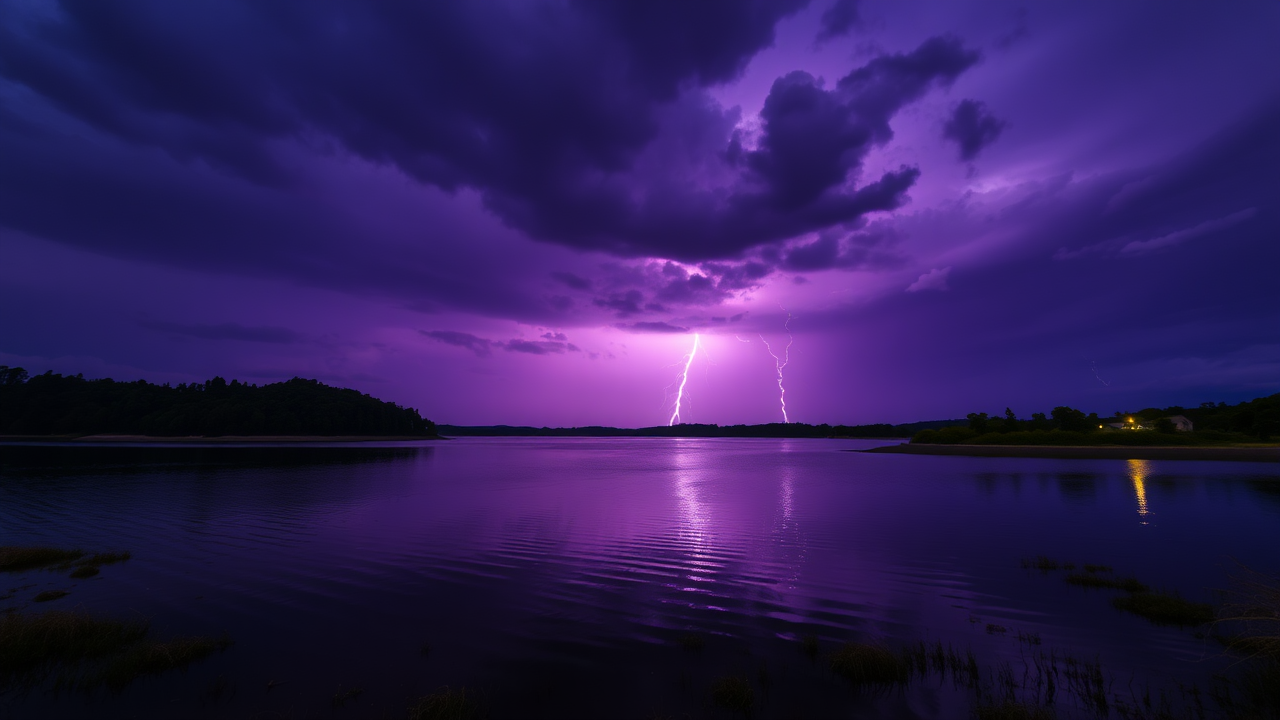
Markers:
point(1138, 472)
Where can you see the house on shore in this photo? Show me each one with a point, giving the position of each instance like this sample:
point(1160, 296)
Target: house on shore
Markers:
point(1181, 423)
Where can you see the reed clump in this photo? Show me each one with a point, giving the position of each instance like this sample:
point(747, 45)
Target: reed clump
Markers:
point(17, 558)
point(108, 558)
point(1043, 563)
point(809, 646)
point(154, 658)
point(1012, 710)
point(1165, 608)
point(733, 692)
point(867, 664)
point(89, 651)
point(691, 642)
point(447, 704)
point(1251, 615)
point(30, 645)
point(925, 659)
point(1097, 580)
point(341, 697)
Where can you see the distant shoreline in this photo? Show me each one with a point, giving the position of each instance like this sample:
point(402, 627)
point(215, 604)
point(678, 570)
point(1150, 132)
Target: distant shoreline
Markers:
point(1093, 452)
point(220, 440)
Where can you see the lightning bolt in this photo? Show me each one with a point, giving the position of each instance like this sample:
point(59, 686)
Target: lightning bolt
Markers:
point(1094, 365)
point(781, 363)
point(684, 378)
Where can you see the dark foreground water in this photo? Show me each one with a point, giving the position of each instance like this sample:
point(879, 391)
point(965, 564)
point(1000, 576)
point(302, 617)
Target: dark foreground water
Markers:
point(559, 577)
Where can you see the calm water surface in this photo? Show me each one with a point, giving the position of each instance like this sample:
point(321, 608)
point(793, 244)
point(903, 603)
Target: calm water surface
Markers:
point(557, 575)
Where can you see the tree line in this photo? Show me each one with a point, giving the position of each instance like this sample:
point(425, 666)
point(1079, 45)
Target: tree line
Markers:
point(53, 404)
point(1253, 420)
point(764, 430)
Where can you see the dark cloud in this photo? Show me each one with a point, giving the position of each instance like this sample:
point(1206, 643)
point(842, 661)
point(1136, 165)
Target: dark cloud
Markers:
point(814, 138)
point(483, 347)
point(817, 255)
point(972, 127)
point(624, 304)
point(564, 118)
point(671, 41)
point(865, 249)
point(685, 288)
point(227, 331)
point(659, 287)
point(652, 327)
point(1191, 306)
point(539, 347)
point(478, 345)
point(572, 281)
point(1017, 33)
point(838, 19)
point(558, 337)
point(738, 276)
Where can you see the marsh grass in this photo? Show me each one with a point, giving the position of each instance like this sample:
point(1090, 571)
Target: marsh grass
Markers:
point(17, 558)
point(447, 704)
point(87, 652)
point(1251, 615)
point(341, 697)
point(1040, 683)
point(1260, 689)
point(1094, 580)
point(1030, 638)
point(32, 645)
point(809, 646)
point(105, 558)
point(733, 692)
point(870, 664)
point(1044, 563)
point(1012, 710)
point(691, 642)
point(153, 658)
point(924, 659)
point(1165, 608)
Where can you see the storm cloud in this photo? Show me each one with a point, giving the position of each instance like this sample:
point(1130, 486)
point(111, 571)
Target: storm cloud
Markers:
point(212, 188)
point(972, 127)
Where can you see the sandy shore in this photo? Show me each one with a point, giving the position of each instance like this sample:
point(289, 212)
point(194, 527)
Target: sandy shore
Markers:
point(1096, 452)
point(223, 440)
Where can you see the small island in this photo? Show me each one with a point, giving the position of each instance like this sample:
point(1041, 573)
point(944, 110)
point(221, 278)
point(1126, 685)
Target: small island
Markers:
point(64, 407)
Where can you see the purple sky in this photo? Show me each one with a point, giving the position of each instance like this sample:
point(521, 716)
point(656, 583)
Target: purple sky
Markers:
point(521, 212)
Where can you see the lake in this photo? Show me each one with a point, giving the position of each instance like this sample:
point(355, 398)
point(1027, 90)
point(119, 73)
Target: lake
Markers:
point(621, 577)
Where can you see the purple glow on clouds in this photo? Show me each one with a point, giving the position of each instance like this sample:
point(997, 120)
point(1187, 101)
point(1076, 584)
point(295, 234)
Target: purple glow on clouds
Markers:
point(521, 217)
